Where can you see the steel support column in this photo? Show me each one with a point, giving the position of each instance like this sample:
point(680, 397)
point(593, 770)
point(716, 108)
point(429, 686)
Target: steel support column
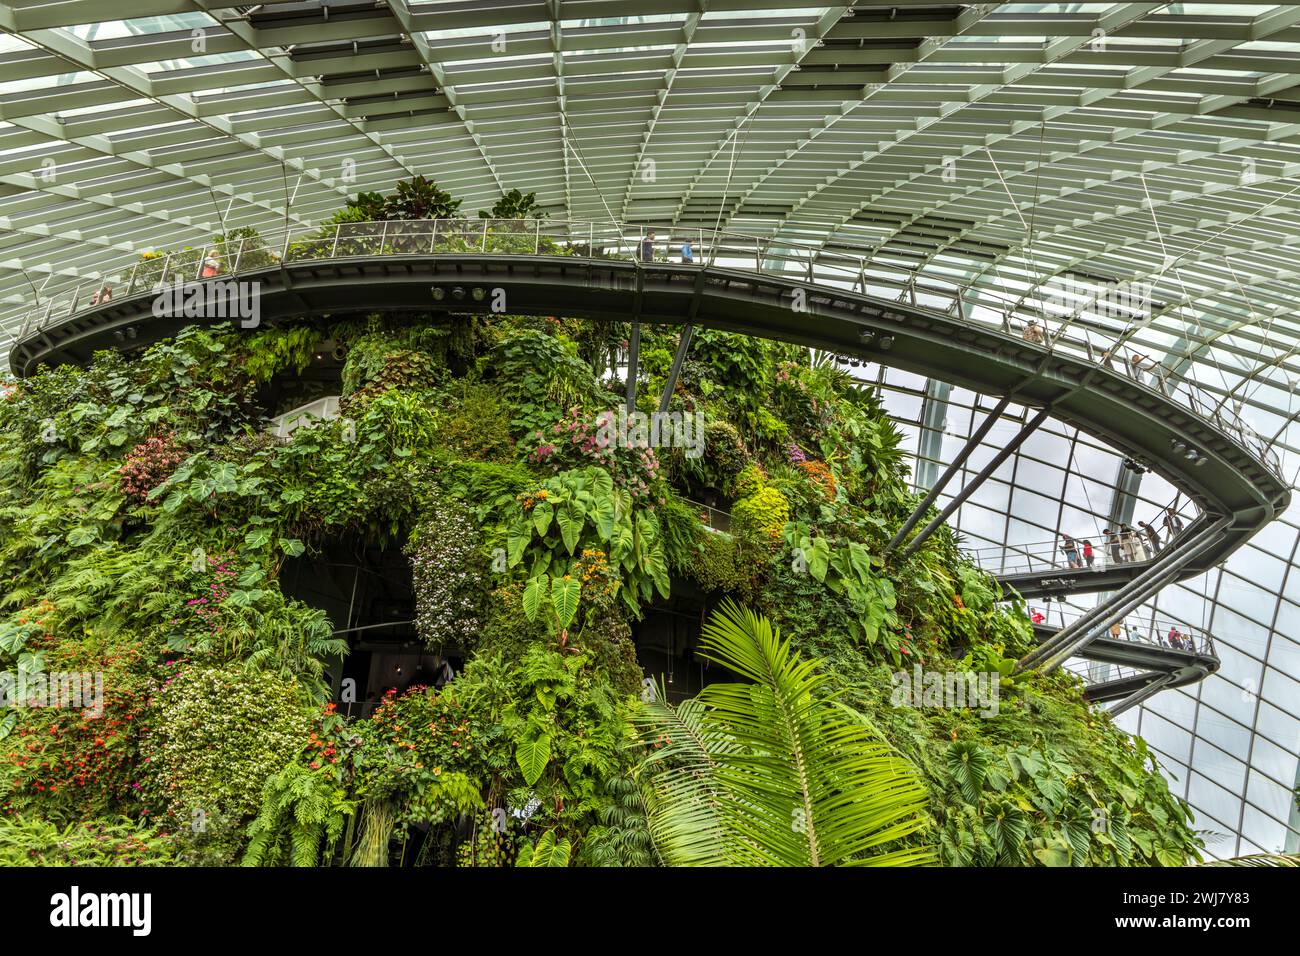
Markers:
point(971, 486)
point(1135, 698)
point(683, 345)
point(633, 360)
point(971, 444)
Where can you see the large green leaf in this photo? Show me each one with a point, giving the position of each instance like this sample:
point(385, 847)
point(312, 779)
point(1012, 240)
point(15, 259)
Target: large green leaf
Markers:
point(565, 592)
point(548, 852)
point(543, 512)
point(570, 525)
point(534, 591)
point(818, 556)
point(532, 757)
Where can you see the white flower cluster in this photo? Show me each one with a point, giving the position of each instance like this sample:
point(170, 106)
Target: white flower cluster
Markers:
point(446, 573)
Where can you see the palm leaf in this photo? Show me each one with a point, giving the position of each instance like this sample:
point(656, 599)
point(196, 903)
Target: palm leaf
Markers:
point(772, 772)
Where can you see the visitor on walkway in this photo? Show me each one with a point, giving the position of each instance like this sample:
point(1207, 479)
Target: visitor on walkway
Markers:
point(1071, 551)
point(1117, 632)
point(1131, 544)
point(648, 246)
point(1034, 332)
point(211, 265)
point(1153, 537)
point(1088, 554)
point(1036, 616)
point(103, 295)
point(1173, 524)
point(688, 254)
point(1113, 546)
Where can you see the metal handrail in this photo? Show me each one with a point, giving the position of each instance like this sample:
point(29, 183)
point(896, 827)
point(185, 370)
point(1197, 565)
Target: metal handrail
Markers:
point(1153, 632)
point(1041, 556)
point(791, 258)
point(712, 518)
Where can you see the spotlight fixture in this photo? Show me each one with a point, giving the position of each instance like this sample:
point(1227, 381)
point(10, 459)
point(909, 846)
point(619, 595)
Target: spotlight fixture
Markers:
point(1178, 446)
point(479, 293)
point(439, 293)
point(885, 342)
point(867, 337)
point(130, 331)
point(457, 293)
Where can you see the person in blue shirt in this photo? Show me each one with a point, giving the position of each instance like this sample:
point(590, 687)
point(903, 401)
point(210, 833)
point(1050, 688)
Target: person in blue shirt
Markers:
point(688, 254)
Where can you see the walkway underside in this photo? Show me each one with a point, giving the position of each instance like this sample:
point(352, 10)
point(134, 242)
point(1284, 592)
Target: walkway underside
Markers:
point(1152, 661)
point(1057, 583)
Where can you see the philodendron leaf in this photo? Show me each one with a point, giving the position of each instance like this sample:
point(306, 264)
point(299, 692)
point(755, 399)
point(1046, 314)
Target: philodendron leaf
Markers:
point(570, 526)
point(543, 512)
point(533, 756)
point(818, 555)
point(533, 593)
point(564, 598)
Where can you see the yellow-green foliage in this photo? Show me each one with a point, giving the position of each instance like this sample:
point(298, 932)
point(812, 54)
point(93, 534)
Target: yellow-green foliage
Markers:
point(767, 510)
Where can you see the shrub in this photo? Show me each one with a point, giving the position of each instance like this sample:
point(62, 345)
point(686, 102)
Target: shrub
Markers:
point(724, 452)
point(767, 510)
point(478, 426)
point(148, 464)
point(114, 841)
point(67, 762)
point(724, 563)
point(749, 481)
point(819, 473)
point(215, 736)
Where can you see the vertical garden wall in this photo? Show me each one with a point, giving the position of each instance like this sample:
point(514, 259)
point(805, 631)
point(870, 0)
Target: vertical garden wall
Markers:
point(155, 535)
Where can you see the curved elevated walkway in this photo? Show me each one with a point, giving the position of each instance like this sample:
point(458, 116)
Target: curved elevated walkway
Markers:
point(746, 285)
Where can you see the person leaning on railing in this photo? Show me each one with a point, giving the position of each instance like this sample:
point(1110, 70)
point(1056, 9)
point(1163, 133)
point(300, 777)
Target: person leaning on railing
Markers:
point(1071, 551)
point(1153, 538)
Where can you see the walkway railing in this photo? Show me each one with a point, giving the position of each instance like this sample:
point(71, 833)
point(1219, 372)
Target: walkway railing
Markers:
point(1136, 629)
point(1122, 548)
point(788, 258)
point(715, 519)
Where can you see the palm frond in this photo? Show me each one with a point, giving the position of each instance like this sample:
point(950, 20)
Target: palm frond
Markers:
point(773, 773)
